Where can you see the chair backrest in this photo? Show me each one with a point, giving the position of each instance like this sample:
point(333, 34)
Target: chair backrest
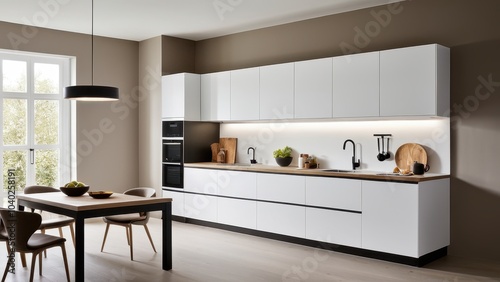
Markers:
point(146, 192)
point(3, 232)
point(22, 225)
point(39, 189)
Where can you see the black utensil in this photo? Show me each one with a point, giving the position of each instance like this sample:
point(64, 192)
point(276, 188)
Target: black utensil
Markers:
point(387, 154)
point(380, 156)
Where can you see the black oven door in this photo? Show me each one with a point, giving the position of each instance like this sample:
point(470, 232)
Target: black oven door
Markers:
point(173, 176)
point(172, 151)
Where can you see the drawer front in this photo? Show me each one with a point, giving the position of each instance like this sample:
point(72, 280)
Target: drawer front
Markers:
point(335, 193)
point(177, 201)
point(200, 180)
point(281, 188)
point(281, 219)
point(335, 227)
point(202, 207)
point(236, 212)
point(237, 184)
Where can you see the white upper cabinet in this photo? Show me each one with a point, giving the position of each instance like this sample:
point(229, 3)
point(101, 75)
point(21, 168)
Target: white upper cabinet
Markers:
point(245, 94)
point(313, 89)
point(216, 96)
point(356, 85)
point(415, 81)
point(181, 96)
point(276, 91)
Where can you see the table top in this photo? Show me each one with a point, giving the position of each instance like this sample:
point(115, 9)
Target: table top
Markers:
point(85, 202)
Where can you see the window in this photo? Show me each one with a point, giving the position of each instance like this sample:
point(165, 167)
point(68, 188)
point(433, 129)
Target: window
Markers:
point(35, 119)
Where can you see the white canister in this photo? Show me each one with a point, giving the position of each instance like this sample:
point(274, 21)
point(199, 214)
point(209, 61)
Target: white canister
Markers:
point(301, 162)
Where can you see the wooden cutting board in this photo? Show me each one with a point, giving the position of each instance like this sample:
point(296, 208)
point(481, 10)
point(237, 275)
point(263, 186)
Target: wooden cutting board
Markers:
point(408, 153)
point(229, 145)
point(215, 149)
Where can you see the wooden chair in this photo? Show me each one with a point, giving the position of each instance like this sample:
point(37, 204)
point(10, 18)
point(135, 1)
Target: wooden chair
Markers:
point(56, 222)
point(5, 238)
point(24, 225)
point(127, 220)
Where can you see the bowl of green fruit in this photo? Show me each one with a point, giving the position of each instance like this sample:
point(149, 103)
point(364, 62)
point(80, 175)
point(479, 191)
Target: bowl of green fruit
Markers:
point(74, 188)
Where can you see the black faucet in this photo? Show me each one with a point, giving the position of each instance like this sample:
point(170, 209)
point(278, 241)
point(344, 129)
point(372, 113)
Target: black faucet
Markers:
point(354, 163)
point(252, 161)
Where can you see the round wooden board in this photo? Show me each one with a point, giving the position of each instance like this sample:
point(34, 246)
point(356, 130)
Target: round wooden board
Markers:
point(408, 153)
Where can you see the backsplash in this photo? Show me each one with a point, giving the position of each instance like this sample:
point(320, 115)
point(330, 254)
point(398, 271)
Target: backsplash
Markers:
point(324, 140)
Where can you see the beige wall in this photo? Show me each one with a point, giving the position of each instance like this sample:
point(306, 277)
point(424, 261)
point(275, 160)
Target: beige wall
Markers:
point(111, 160)
point(469, 28)
point(150, 113)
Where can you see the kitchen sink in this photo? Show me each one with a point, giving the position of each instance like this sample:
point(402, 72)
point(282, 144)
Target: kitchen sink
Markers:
point(339, 170)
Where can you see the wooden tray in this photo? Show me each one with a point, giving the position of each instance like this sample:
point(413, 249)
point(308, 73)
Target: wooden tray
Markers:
point(408, 153)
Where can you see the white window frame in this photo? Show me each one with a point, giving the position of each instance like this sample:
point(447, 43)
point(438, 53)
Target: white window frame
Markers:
point(66, 112)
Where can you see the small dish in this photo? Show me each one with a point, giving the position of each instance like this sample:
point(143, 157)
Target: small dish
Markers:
point(100, 194)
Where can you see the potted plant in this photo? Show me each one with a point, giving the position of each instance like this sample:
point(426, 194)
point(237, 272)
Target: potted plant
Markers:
point(283, 156)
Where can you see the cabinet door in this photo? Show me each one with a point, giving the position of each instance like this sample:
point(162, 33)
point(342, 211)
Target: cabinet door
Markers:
point(200, 180)
point(390, 217)
point(202, 207)
point(236, 212)
point(245, 94)
point(177, 201)
point(409, 82)
point(276, 91)
point(216, 96)
point(332, 226)
point(313, 89)
point(172, 87)
point(334, 193)
point(181, 96)
point(356, 85)
point(237, 184)
point(281, 188)
point(281, 219)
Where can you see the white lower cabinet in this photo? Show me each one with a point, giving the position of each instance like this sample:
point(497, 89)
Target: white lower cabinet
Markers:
point(177, 201)
point(202, 207)
point(281, 219)
point(333, 226)
point(237, 212)
point(406, 219)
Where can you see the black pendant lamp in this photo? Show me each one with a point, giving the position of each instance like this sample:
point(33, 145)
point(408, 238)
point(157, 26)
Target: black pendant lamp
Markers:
point(91, 92)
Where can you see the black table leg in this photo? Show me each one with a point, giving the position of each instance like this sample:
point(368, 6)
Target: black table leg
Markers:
point(167, 236)
point(79, 248)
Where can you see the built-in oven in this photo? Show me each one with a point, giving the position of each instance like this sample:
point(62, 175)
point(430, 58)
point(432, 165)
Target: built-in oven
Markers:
point(172, 151)
point(173, 175)
point(185, 142)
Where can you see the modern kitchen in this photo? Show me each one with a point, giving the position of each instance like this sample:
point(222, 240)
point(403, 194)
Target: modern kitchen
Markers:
point(390, 112)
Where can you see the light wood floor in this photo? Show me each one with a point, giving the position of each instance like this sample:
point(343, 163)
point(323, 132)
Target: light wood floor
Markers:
point(207, 254)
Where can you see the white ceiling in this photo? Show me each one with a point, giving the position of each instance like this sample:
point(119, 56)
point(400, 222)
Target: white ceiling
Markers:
point(191, 19)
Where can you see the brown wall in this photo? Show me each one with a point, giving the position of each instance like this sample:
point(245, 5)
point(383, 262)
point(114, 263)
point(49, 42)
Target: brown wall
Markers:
point(469, 28)
point(116, 64)
point(178, 55)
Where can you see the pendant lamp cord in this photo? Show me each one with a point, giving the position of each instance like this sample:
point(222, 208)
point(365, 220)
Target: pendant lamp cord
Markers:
point(92, 41)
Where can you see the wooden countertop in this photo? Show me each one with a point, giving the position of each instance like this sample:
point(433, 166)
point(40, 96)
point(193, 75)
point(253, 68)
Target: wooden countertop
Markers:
point(85, 202)
point(358, 174)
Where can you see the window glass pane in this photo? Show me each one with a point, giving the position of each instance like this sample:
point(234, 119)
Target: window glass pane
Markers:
point(14, 76)
point(46, 122)
point(14, 121)
point(47, 167)
point(15, 160)
point(46, 78)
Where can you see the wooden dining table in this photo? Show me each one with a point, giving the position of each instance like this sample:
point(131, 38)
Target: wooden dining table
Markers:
point(83, 207)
